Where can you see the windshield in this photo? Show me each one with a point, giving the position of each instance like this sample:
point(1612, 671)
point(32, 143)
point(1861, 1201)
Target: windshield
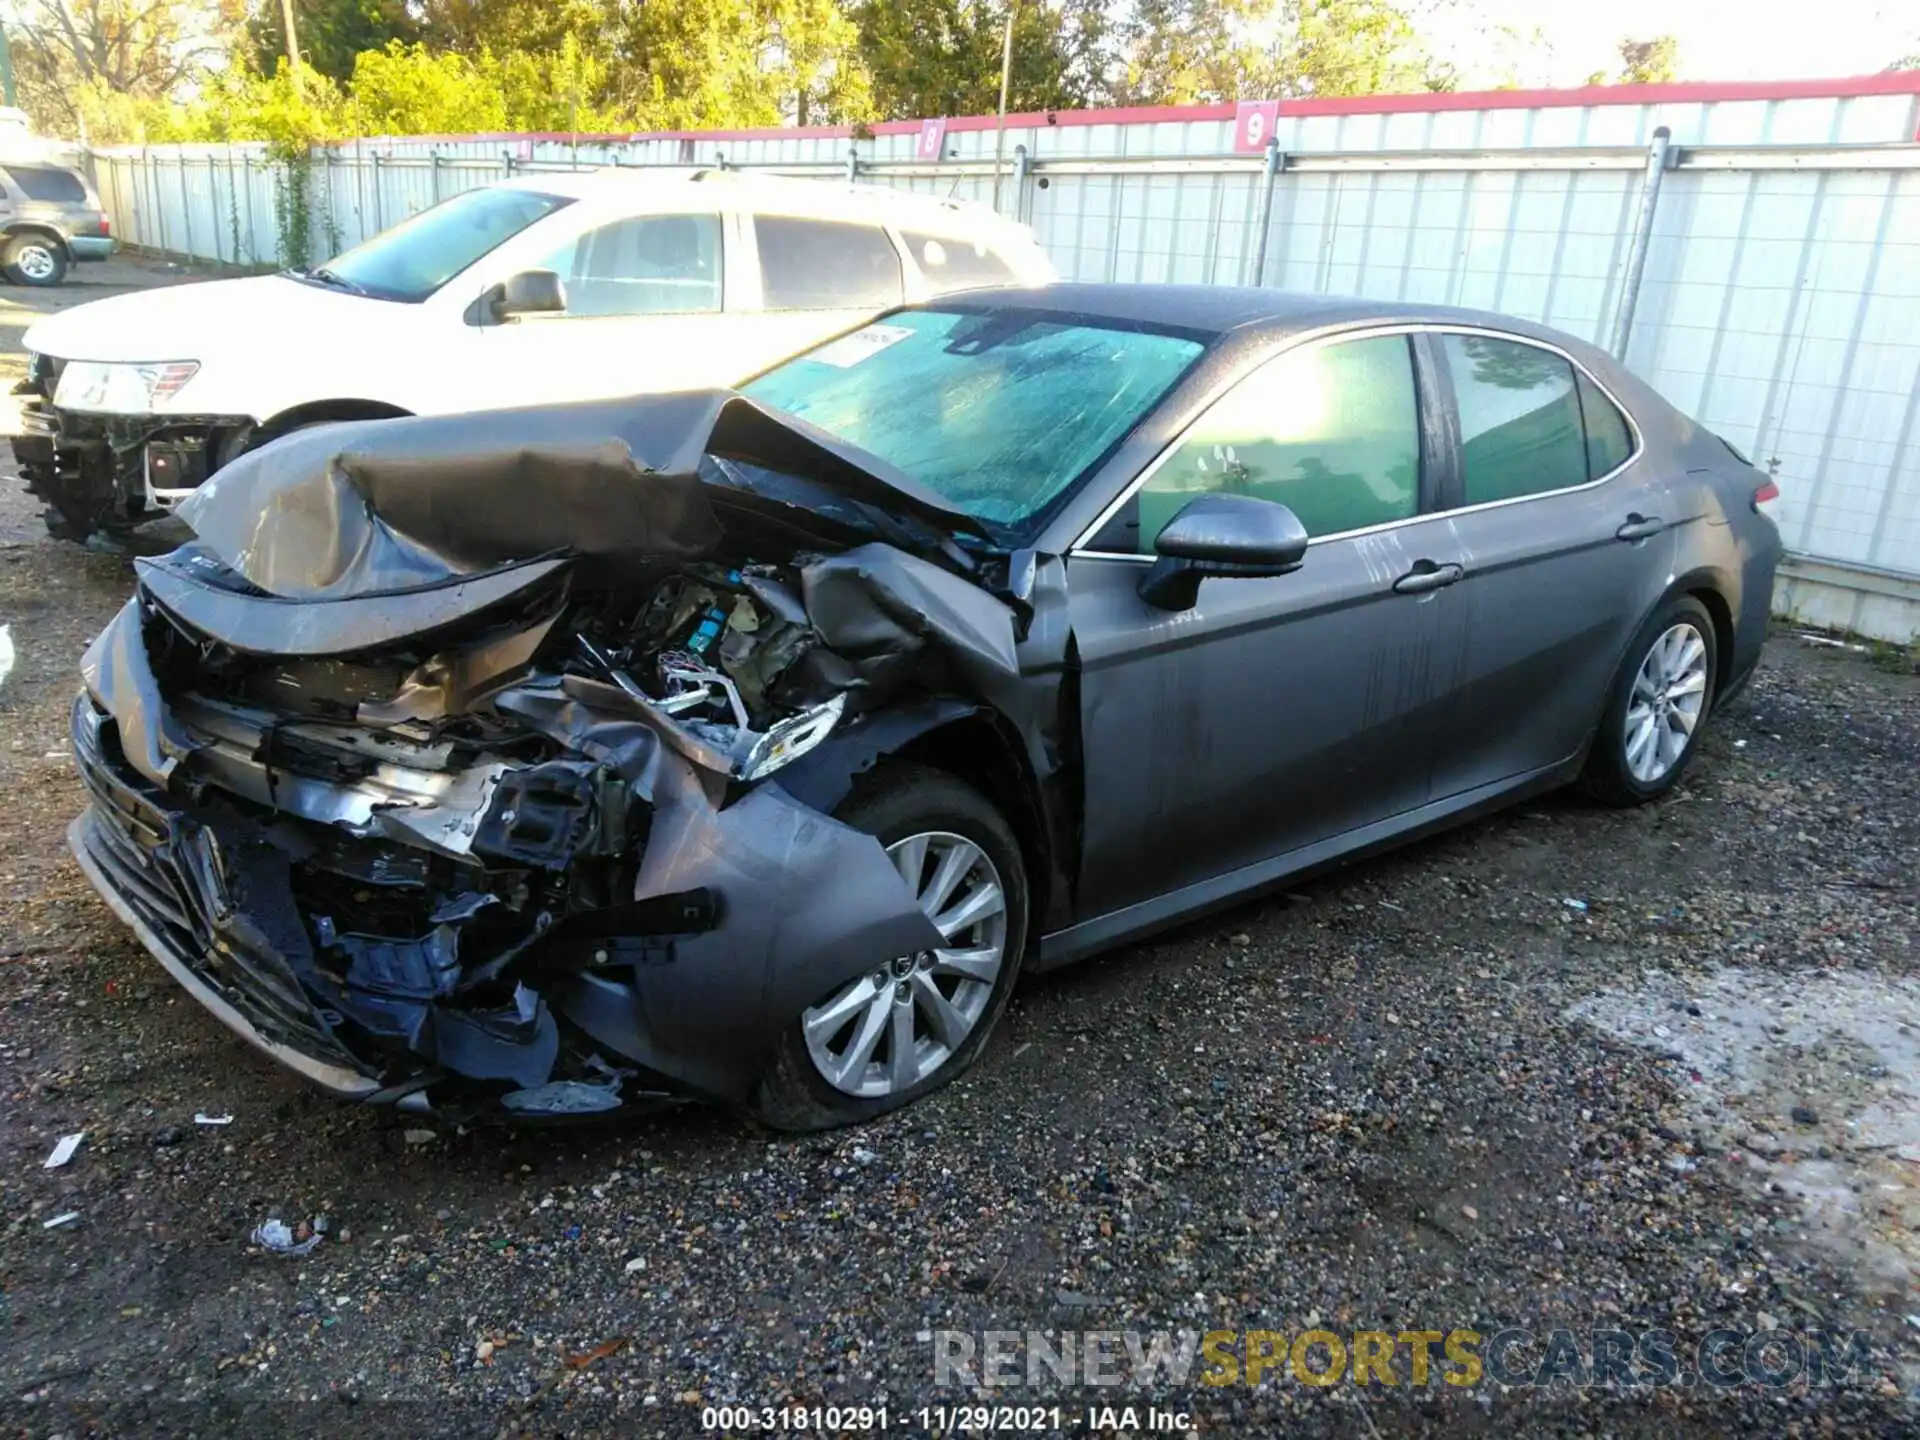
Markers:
point(996, 411)
point(419, 255)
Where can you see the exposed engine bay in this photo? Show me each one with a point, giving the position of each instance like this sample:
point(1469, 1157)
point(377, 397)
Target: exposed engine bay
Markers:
point(430, 806)
point(732, 656)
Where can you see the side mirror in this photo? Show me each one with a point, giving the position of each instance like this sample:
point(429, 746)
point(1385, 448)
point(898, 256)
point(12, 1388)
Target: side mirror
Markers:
point(531, 292)
point(1220, 536)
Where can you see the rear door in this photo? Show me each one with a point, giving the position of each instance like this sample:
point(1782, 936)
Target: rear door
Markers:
point(1565, 537)
point(815, 278)
point(1276, 713)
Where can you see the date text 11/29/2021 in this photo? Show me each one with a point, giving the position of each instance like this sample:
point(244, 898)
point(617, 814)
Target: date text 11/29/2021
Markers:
point(941, 1419)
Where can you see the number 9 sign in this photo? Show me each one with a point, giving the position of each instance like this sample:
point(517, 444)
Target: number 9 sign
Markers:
point(1254, 122)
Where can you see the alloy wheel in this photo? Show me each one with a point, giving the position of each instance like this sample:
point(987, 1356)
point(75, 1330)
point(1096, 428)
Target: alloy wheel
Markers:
point(890, 1029)
point(1669, 693)
point(35, 262)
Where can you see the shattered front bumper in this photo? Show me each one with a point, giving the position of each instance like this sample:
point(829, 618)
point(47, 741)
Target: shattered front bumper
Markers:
point(741, 917)
point(110, 473)
point(163, 876)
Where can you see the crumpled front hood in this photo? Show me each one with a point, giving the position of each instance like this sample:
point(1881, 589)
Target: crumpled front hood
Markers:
point(201, 321)
point(373, 507)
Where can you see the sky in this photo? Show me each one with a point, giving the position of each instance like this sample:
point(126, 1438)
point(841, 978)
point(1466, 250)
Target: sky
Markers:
point(1719, 39)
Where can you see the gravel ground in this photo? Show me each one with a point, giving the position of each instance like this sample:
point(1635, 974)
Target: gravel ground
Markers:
point(1376, 1103)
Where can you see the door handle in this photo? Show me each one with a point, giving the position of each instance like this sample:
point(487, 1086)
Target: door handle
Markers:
point(1426, 576)
point(1639, 527)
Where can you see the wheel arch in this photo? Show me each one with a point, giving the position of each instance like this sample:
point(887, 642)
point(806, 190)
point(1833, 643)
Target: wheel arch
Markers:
point(314, 412)
point(41, 229)
point(982, 749)
point(1710, 589)
point(969, 741)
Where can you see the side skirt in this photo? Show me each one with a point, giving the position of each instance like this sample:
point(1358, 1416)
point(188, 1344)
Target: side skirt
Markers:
point(1135, 922)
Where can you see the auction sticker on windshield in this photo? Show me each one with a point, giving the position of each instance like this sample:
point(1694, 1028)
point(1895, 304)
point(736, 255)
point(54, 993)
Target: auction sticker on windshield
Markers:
point(850, 350)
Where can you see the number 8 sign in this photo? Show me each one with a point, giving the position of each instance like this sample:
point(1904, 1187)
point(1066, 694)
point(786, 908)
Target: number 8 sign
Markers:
point(933, 140)
point(1254, 122)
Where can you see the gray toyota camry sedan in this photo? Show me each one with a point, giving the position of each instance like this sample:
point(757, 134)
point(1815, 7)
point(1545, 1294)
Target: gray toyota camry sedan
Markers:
point(749, 745)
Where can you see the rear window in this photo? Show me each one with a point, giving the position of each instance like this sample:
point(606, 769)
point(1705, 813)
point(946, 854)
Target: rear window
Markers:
point(1520, 430)
point(62, 187)
point(826, 265)
point(1609, 443)
point(951, 264)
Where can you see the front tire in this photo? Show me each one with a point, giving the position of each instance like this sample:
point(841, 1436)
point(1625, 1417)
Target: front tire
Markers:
point(1659, 702)
point(35, 260)
point(885, 1039)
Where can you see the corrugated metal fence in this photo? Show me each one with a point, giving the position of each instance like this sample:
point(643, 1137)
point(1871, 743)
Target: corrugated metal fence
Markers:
point(1777, 271)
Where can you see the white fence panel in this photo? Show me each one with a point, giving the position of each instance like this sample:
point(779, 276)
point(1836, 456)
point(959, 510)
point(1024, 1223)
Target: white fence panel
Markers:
point(1779, 300)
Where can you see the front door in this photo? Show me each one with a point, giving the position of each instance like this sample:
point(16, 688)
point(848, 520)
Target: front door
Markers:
point(1277, 713)
point(1567, 542)
point(647, 309)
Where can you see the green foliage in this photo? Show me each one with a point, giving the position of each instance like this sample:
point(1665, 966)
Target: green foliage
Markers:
point(688, 64)
point(1650, 62)
point(1177, 52)
point(332, 33)
point(1351, 47)
point(503, 26)
point(561, 90)
point(943, 57)
point(1180, 52)
point(409, 90)
point(399, 67)
point(87, 67)
point(1644, 62)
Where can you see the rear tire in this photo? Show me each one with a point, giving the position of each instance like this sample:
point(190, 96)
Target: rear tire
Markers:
point(904, 806)
point(34, 260)
point(1657, 707)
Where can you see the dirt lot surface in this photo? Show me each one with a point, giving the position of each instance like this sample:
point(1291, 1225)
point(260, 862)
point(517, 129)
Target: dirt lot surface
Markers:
point(1565, 1067)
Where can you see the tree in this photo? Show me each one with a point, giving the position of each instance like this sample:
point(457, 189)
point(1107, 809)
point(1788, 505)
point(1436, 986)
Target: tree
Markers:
point(409, 90)
point(1644, 62)
point(942, 57)
point(78, 59)
point(1351, 47)
point(687, 64)
point(1181, 51)
point(332, 33)
point(510, 26)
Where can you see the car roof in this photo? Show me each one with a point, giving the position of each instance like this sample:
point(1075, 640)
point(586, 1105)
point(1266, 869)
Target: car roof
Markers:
point(1221, 309)
point(778, 194)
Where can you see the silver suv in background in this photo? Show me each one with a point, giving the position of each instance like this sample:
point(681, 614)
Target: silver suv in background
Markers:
point(50, 218)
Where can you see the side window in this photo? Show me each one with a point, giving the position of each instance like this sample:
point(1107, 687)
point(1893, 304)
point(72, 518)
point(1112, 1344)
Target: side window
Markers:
point(1331, 431)
point(39, 183)
point(826, 265)
point(1520, 430)
point(1609, 441)
point(644, 265)
point(951, 264)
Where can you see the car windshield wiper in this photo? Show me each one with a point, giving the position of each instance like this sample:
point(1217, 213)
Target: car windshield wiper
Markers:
point(333, 278)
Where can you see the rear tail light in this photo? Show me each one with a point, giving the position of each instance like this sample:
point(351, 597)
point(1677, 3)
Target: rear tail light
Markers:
point(106, 223)
point(1766, 498)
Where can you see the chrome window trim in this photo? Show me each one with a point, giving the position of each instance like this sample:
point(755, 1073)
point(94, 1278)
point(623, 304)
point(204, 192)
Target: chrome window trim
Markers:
point(1335, 337)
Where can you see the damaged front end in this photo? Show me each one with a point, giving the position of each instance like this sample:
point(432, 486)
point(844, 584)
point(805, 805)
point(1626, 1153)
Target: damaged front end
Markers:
point(107, 474)
point(444, 766)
